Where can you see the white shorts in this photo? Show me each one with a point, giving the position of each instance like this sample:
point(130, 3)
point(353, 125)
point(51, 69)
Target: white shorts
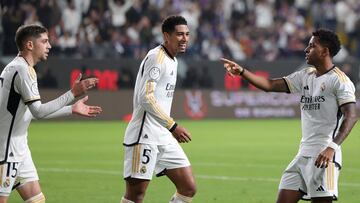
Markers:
point(143, 160)
point(302, 175)
point(16, 174)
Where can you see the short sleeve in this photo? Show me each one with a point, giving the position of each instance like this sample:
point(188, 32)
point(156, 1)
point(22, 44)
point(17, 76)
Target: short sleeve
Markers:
point(345, 91)
point(294, 81)
point(26, 85)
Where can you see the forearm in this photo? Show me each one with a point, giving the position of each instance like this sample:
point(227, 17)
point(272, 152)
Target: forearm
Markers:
point(151, 106)
point(350, 118)
point(345, 129)
point(267, 85)
point(64, 111)
point(257, 81)
point(39, 110)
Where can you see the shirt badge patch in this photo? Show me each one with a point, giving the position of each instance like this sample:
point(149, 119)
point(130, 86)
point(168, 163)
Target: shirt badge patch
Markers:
point(322, 87)
point(34, 88)
point(154, 73)
point(143, 169)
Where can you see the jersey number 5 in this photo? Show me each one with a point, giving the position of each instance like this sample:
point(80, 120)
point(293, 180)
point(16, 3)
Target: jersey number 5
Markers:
point(147, 157)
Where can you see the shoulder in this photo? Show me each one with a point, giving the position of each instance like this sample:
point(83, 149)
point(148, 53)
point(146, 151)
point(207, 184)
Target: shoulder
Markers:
point(16, 65)
point(339, 75)
point(309, 70)
point(156, 55)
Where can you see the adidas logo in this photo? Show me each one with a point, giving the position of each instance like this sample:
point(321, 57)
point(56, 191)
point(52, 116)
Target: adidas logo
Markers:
point(11, 154)
point(146, 136)
point(306, 87)
point(320, 188)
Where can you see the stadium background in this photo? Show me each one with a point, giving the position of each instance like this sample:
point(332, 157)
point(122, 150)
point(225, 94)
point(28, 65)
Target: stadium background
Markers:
point(108, 38)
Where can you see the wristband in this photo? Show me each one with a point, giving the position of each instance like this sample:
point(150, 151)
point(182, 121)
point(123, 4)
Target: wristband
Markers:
point(333, 145)
point(173, 127)
point(242, 71)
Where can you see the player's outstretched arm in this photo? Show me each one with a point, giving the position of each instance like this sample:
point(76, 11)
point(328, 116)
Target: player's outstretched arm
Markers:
point(181, 134)
point(272, 85)
point(80, 108)
point(81, 86)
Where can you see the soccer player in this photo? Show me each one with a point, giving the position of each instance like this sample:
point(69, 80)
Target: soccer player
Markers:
point(328, 114)
point(20, 103)
point(152, 136)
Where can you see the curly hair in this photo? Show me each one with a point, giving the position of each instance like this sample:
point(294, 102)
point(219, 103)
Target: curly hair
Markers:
point(329, 39)
point(170, 22)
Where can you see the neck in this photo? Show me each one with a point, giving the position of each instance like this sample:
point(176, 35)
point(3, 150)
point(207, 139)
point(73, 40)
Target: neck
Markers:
point(28, 58)
point(168, 50)
point(324, 67)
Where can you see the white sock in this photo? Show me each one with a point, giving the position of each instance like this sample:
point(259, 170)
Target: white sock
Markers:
point(124, 200)
point(179, 198)
point(39, 198)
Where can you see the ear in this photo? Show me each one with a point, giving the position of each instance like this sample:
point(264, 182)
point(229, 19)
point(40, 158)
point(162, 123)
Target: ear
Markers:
point(29, 45)
point(325, 52)
point(166, 36)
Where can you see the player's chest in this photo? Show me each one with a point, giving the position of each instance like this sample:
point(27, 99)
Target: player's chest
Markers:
point(313, 86)
point(169, 73)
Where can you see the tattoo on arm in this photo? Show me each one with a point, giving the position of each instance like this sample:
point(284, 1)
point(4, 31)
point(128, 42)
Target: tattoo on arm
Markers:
point(279, 85)
point(349, 111)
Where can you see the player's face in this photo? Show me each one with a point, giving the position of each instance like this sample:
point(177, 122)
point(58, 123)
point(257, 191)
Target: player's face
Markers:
point(178, 40)
point(41, 47)
point(314, 52)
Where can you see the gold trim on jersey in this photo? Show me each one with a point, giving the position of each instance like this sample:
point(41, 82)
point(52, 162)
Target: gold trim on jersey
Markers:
point(32, 72)
point(330, 176)
point(136, 159)
point(160, 57)
point(310, 70)
point(291, 88)
point(1, 173)
point(347, 101)
point(149, 95)
point(341, 75)
point(32, 99)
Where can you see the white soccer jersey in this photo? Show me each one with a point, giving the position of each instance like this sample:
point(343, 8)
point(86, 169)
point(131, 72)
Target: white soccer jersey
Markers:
point(153, 95)
point(321, 98)
point(18, 86)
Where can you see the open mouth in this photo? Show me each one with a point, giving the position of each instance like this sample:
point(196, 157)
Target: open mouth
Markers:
point(183, 46)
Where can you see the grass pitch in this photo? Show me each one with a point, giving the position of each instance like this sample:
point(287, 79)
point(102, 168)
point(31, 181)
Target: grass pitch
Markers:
point(233, 161)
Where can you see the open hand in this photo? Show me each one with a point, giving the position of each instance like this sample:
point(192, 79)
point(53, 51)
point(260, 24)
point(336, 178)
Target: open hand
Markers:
point(82, 109)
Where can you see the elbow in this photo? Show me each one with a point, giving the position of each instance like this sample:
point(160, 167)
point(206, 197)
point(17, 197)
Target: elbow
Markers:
point(37, 116)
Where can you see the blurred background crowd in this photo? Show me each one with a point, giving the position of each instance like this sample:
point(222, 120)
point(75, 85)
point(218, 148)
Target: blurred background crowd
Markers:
point(239, 29)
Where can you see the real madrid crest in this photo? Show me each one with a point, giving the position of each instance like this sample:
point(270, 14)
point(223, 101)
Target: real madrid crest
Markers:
point(322, 87)
point(143, 169)
point(7, 182)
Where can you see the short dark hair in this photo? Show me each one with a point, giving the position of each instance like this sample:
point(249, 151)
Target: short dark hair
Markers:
point(329, 39)
point(170, 22)
point(26, 31)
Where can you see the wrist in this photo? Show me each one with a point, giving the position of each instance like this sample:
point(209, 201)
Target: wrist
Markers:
point(333, 145)
point(173, 127)
point(242, 70)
